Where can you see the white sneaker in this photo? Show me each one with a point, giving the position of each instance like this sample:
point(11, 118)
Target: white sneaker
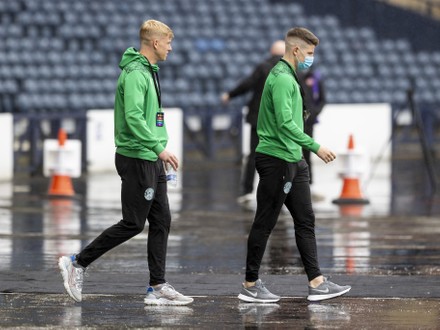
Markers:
point(73, 277)
point(166, 295)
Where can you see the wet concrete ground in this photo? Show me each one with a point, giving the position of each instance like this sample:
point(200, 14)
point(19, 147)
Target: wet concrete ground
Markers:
point(127, 311)
point(390, 256)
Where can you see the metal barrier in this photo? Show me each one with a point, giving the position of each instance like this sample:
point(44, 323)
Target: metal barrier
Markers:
point(214, 132)
point(30, 131)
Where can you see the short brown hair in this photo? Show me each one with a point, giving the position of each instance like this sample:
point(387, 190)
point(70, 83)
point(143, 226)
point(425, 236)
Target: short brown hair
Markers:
point(152, 28)
point(303, 34)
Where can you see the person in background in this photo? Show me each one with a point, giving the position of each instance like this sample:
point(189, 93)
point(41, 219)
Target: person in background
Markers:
point(314, 99)
point(254, 84)
point(284, 174)
point(430, 115)
point(141, 156)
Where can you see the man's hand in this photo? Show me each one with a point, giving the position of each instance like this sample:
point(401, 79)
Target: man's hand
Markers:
point(326, 154)
point(168, 158)
point(225, 98)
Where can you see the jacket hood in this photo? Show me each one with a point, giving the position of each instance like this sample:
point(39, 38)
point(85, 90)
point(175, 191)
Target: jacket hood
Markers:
point(131, 55)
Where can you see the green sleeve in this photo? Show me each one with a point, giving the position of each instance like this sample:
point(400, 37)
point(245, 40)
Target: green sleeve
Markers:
point(135, 89)
point(286, 98)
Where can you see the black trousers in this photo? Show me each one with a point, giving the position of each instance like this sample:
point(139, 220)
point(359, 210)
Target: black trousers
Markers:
point(282, 183)
point(249, 166)
point(143, 196)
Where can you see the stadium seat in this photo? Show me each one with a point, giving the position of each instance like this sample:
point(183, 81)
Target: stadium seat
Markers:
point(24, 102)
point(77, 45)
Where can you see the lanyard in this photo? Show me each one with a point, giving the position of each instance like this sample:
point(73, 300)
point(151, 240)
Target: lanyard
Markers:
point(301, 90)
point(155, 76)
point(296, 78)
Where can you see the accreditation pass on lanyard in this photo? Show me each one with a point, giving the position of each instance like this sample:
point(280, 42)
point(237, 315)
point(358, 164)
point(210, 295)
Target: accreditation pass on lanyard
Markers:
point(160, 115)
point(160, 118)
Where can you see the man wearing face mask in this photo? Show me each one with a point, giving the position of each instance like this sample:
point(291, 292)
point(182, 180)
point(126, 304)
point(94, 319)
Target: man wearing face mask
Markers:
point(284, 174)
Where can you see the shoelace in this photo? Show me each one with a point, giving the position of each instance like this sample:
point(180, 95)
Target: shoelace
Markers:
point(260, 284)
point(170, 289)
point(262, 287)
point(79, 278)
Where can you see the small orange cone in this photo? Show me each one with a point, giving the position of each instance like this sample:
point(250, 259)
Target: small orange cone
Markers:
point(61, 184)
point(351, 191)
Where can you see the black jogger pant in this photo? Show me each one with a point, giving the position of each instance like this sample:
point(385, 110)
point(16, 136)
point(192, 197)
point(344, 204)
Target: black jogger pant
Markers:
point(282, 183)
point(143, 196)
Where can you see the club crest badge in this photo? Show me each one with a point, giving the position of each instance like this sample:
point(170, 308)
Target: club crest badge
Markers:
point(148, 194)
point(287, 187)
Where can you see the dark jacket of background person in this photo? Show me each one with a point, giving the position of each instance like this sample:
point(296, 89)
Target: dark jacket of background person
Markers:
point(255, 83)
point(314, 100)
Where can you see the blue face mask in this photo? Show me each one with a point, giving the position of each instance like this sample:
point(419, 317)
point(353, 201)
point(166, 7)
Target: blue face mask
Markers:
point(308, 61)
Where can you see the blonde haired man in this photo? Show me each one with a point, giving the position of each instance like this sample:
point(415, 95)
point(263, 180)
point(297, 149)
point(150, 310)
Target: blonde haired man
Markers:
point(141, 156)
point(284, 175)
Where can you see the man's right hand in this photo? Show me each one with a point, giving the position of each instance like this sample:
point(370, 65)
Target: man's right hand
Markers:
point(225, 98)
point(326, 154)
point(169, 158)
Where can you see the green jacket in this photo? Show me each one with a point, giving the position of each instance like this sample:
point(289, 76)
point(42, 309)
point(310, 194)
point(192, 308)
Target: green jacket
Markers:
point(280, 119)
point(136, 107)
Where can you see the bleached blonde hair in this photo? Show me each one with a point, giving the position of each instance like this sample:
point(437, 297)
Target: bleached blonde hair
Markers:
point(152, 28)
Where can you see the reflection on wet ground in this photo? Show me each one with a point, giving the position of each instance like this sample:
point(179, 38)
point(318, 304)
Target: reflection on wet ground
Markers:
point(214, 241)
point(392, 236)
point(127, 311)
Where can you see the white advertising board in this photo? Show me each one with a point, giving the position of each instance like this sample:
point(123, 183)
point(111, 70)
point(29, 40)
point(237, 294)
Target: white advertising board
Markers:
point(100, 137)
point(6, 151)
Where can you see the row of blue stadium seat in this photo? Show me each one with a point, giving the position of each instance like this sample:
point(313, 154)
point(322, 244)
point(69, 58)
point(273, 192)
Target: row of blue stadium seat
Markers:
point(61, 102)
point(169, 7)
point(69, 86)
point(81, 101)
point(397, 97)
point(58, 71)
point(9, 86)
point(10, 7)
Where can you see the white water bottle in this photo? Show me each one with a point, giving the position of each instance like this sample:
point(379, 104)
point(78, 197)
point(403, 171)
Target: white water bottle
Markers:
point(172, 177)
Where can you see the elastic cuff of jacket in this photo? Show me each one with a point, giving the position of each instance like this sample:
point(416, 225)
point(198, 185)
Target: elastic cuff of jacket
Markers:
point(315, 147)
point(158, 149)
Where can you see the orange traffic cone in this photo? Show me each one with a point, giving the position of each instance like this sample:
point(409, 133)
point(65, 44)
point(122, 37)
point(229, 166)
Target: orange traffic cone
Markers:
point(351, 210)
point(351, 191)
point(61, 183)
